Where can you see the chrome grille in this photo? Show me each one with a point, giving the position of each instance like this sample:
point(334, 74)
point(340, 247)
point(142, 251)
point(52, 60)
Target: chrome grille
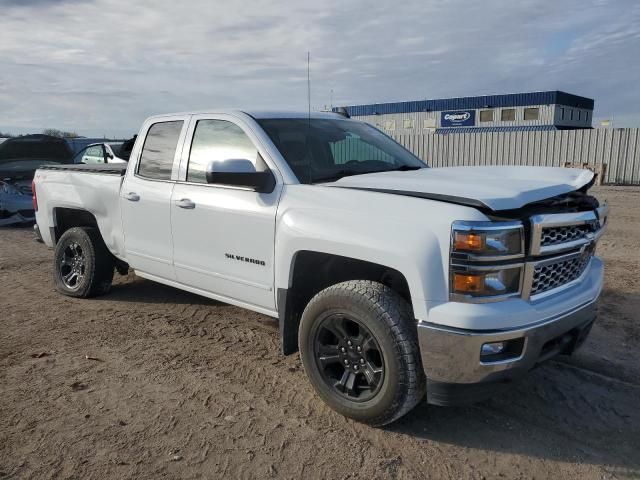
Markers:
point(548, 276)
point(567, 233)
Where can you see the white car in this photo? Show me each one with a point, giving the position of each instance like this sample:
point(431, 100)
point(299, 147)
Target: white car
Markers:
point(98, 153)
point(393, 279)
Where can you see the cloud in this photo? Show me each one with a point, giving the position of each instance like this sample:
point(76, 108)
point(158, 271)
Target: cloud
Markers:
point(102, 66)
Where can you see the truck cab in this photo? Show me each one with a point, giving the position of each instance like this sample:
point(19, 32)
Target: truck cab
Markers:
point(393, 280)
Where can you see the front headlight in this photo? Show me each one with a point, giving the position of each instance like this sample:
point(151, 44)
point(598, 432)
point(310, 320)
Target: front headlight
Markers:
point(487, 239)
point(483, 260)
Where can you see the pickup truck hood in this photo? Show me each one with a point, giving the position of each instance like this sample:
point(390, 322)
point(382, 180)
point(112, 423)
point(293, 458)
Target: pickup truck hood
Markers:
point(494, 188)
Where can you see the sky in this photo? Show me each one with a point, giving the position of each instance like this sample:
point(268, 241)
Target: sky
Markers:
point(101, 67)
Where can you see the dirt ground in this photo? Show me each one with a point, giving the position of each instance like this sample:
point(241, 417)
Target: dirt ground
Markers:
point(185, 387)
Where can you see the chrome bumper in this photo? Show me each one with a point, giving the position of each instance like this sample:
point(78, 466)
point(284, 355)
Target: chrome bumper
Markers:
point(452, 355)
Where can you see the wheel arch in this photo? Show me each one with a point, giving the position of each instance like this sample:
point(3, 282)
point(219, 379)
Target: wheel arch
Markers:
point(328, 269)
point(66, 218)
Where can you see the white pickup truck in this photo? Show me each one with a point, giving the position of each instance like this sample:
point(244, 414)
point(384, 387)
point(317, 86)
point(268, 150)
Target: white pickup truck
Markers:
point(393, 279)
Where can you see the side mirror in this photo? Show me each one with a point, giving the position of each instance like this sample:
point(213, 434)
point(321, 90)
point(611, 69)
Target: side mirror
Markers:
point(240, 173)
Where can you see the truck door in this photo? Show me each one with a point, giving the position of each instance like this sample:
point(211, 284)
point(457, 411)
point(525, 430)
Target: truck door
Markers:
point(145, 198)
point(223, 236)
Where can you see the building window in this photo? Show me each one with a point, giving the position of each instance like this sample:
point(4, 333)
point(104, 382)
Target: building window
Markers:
point(408, 123)
point(486, 115)
point(531, 113)
point(571, 114)
point(579, 115)
point(561, 113)
point(390, 125)
point(508, 114)
point(429, 123)
point(587, 119)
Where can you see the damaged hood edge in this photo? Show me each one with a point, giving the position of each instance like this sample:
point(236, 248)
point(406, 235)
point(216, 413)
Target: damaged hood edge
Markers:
point(492, 188)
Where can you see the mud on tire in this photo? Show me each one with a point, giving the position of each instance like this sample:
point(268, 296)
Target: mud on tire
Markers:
point(83, 266)
point(359, 348)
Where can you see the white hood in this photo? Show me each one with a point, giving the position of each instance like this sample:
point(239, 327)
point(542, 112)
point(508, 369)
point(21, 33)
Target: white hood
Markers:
point(499, 188)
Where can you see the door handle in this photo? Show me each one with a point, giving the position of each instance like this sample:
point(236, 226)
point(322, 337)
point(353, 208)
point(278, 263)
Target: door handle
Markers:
point(132, 196)
point(186, 203)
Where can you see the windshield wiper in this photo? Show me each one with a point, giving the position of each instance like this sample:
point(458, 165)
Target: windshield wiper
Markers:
point(404, 168)
point(345, 172)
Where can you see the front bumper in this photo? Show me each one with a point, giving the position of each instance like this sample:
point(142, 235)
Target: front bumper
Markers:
point(456, 373)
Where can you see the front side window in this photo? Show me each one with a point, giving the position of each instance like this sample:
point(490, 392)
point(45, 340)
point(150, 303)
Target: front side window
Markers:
point(320, 150)
point(94, 154)
point(90, 155)
point(218, 141)
point(159, 150)
point(531, 113)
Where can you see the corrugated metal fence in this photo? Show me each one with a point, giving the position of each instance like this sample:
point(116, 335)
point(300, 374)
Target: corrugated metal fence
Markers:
point(618, 149)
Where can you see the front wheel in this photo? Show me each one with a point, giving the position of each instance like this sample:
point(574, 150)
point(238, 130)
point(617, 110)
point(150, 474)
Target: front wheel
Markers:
point(358, 343)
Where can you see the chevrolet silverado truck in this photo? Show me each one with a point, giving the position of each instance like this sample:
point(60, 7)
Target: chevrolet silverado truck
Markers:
point(392, 279)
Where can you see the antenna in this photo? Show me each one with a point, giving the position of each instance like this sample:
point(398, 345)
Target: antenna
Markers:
point(309, 84)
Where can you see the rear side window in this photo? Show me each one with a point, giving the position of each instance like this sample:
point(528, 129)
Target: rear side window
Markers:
point(159, 149)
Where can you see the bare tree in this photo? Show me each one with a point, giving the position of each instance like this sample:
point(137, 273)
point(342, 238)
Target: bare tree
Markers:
point(54, 132)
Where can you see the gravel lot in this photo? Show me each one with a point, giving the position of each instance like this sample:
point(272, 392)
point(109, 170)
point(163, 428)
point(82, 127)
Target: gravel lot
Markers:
point(185, 387)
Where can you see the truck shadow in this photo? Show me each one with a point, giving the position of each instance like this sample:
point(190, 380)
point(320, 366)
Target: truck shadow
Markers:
point(139, 290)
point(559, 412)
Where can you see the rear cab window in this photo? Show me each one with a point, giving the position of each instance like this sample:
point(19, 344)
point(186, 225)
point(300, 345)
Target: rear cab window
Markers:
point(159, 150)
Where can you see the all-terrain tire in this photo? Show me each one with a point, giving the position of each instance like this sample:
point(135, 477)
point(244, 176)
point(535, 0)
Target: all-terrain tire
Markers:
point(387, 317)
point(95, 269)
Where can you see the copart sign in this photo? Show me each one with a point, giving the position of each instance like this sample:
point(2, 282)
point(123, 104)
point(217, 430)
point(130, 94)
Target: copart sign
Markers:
point(458, 118)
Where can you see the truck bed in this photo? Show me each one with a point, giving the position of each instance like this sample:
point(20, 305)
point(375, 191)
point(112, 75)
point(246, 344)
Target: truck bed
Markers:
point(93, 188)
point(110, 169)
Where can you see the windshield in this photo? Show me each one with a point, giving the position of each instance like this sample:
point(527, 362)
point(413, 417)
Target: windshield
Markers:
point(324, 150)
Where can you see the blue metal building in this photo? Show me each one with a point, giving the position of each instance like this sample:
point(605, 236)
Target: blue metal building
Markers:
point(552, 110)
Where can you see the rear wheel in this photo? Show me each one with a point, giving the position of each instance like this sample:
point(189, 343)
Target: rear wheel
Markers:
point(83, 266)
point(358, 344)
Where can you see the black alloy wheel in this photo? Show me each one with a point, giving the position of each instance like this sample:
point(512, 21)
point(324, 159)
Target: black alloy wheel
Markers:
point(349, 358)
point(83, 265)
point(359, 347)
point(72, 266)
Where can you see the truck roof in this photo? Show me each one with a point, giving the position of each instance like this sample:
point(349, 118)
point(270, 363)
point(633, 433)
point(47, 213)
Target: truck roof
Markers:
point(258, 114)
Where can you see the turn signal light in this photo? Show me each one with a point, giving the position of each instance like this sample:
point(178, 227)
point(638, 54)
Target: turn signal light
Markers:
point(468, 241)
point(465, 283)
